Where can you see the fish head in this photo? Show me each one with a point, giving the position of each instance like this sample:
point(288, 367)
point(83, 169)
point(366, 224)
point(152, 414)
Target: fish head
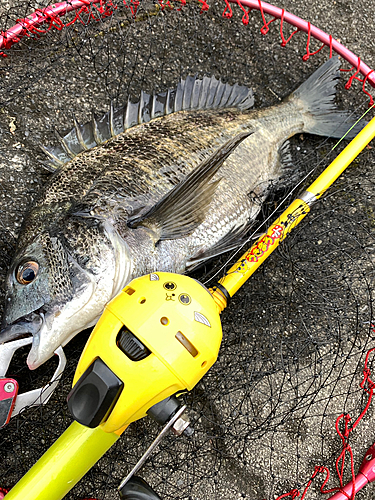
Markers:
point(58, 285)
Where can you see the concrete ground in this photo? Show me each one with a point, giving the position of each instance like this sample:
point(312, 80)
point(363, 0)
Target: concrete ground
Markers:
point(295, 336)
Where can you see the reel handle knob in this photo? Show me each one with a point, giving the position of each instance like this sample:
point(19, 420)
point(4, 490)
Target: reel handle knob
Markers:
point(137, 489)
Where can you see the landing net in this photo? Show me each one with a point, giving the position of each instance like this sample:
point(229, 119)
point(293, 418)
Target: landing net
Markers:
point(295, 337)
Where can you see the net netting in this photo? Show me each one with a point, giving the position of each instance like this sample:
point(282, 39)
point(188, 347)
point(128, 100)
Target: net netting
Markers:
point(296, 336)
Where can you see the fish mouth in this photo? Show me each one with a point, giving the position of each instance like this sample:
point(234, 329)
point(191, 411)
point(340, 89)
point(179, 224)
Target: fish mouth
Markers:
point(34, 324)
point(25, 326)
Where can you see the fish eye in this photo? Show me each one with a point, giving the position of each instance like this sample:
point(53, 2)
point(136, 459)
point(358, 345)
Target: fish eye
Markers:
point(27, 272)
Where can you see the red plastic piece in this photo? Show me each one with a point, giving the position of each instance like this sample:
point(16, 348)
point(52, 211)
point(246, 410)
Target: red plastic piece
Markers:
point(8, 394)
point(3, 492)
point(228, 10)
point(265, 28)
point(245, 17)
point(283, 40)
point(308, 53)
point(205, 5)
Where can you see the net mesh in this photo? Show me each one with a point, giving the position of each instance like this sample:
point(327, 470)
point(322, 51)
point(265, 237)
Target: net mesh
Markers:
point(295, 336)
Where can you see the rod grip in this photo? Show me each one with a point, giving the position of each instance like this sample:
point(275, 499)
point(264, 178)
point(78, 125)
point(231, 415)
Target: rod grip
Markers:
point(63, 464)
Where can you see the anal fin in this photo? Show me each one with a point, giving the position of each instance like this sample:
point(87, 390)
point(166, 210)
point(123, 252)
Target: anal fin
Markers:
point(285, 155)
point(231, 241)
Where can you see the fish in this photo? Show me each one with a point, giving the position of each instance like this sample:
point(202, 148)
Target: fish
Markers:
point(162, 184)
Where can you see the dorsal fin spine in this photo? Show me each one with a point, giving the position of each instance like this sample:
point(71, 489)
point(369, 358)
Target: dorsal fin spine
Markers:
point(192, 93)
point(95, 129)
point(219, 94)
point(204, 92)
point(226, 95)
point(132, 113)
point(217, 82)
point(153, 112)
point(55, 159)
point(195, 96)
point(140, 108)
point(179, 96)
point(169, 106)
point(126, 115)
point(111, 124)
point(231, 95)
point(65, 145)
point(188, 92)
point(78, 133)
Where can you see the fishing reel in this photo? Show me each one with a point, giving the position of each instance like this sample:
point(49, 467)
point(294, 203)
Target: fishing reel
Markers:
point(157, 338)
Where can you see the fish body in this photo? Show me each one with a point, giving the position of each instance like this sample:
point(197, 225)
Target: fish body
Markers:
point(157, 187)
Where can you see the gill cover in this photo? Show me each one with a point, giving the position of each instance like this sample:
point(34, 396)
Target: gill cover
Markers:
point(159, 336)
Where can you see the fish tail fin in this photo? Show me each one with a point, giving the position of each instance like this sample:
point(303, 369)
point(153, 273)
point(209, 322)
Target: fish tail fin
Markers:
point(317, 95)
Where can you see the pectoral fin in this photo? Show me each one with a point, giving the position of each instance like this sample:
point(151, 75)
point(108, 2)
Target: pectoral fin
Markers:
point(183, 208)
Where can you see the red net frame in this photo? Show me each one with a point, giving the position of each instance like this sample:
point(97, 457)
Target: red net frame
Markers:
point(43, 20)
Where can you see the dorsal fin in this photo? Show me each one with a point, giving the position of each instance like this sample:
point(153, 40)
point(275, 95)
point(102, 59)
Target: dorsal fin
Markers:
point(192, 93)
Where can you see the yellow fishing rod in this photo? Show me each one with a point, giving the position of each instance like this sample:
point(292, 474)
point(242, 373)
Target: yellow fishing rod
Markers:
point(154, 341)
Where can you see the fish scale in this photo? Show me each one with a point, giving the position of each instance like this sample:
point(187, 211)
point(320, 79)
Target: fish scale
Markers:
point(159, 185)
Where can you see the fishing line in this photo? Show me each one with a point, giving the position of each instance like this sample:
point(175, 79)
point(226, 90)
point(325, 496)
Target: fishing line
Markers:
point(351, 128)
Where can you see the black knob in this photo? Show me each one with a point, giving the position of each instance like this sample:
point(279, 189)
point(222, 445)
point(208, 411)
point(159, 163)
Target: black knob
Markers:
point(164, 410)
point(137, 489)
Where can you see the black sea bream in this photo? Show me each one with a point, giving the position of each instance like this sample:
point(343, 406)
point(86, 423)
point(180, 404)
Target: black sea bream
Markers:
point(155, 186)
